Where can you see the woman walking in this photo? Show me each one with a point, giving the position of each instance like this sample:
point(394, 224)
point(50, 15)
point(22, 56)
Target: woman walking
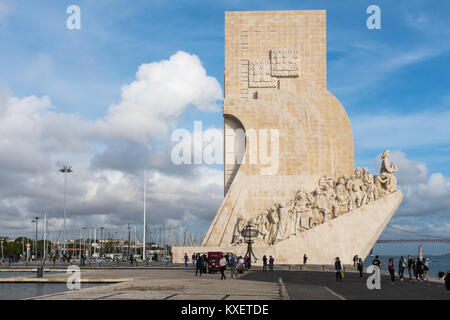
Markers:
point(391, 268)
point(223, 265)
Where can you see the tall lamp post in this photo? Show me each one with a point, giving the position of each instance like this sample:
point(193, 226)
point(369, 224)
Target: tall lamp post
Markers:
point(65, 170)
point(101, 240)
point(35, 238)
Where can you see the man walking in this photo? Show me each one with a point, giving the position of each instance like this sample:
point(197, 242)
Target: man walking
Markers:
point(264, 263)
point(305, 259)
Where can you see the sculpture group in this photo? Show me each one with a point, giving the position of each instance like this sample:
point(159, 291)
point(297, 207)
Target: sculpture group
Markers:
point(329, 200)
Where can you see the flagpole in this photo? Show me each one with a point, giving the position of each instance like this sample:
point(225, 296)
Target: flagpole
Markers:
point(145, 196)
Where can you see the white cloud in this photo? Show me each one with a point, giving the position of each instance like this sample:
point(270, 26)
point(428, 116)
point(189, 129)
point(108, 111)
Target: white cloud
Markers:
point(36, 140)
point(161, 92)
point(425, 196)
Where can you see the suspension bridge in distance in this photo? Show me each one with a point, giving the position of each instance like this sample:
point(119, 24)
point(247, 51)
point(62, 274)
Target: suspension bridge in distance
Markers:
point(428, 238)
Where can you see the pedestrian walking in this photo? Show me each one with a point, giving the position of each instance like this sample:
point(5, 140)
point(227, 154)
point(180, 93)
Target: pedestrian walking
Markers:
point(391, 269)
point(223, 266)
point(186, 258)
point(264, 263)
point(401, 267)
point(305, 259)
point(410, 267)
point(193, 258)
point(271, 262)
point(360, 268)
point(338, 270)
point(233, 265)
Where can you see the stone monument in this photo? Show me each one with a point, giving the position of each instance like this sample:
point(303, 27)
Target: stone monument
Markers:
point(289, 168)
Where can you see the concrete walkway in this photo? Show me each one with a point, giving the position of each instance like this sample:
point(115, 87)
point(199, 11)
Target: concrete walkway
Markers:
point(167, 285)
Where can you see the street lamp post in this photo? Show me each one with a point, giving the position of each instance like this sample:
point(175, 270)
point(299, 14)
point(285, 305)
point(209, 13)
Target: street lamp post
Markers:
point(35, 238)
point(101, 241)
point(65, 170)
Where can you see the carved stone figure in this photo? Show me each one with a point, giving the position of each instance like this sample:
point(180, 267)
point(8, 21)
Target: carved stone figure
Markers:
point(386, 182)
point(239, 226)
point(283, 223)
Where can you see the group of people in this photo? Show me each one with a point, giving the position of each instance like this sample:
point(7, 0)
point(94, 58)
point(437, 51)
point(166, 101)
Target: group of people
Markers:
point(236, 264)
point(417, 268)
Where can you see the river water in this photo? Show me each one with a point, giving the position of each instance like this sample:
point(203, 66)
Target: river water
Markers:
point(16, 291)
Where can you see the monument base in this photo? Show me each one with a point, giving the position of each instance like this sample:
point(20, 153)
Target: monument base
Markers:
point(353, 233)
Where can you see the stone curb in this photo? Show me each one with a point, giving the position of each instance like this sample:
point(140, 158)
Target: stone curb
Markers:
point(283, 291)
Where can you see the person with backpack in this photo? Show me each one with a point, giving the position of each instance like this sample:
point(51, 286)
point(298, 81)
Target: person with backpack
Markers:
point(401, 267)
point(338, 269)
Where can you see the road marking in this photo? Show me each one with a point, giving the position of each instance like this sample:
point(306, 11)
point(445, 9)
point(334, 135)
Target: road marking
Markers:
point(335, 294)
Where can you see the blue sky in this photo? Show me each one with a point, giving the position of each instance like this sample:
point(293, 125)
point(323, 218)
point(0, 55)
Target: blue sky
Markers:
point(393, 82)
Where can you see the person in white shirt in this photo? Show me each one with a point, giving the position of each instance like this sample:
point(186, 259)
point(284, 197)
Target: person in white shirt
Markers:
point(223, 265)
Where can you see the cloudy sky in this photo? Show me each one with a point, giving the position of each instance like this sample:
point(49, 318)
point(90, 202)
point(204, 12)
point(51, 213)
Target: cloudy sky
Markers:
point(105, 99)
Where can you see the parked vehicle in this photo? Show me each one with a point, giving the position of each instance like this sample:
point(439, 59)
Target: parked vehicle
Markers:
point(213, 261)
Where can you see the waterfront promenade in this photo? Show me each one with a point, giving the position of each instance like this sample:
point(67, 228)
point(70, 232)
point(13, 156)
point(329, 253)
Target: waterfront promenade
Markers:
point(158, 282)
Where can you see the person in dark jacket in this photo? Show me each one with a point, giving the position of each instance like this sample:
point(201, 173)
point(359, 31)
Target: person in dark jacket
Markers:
point(338, 269)
point(391, 269)
point(199, 266)
point(264, 263)
point(359, 266)
point(419, 267)
point(410, 267)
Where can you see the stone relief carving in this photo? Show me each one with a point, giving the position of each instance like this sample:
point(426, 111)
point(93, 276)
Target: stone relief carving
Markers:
point(259, 75)
point(329, 200)
point(284, 62)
